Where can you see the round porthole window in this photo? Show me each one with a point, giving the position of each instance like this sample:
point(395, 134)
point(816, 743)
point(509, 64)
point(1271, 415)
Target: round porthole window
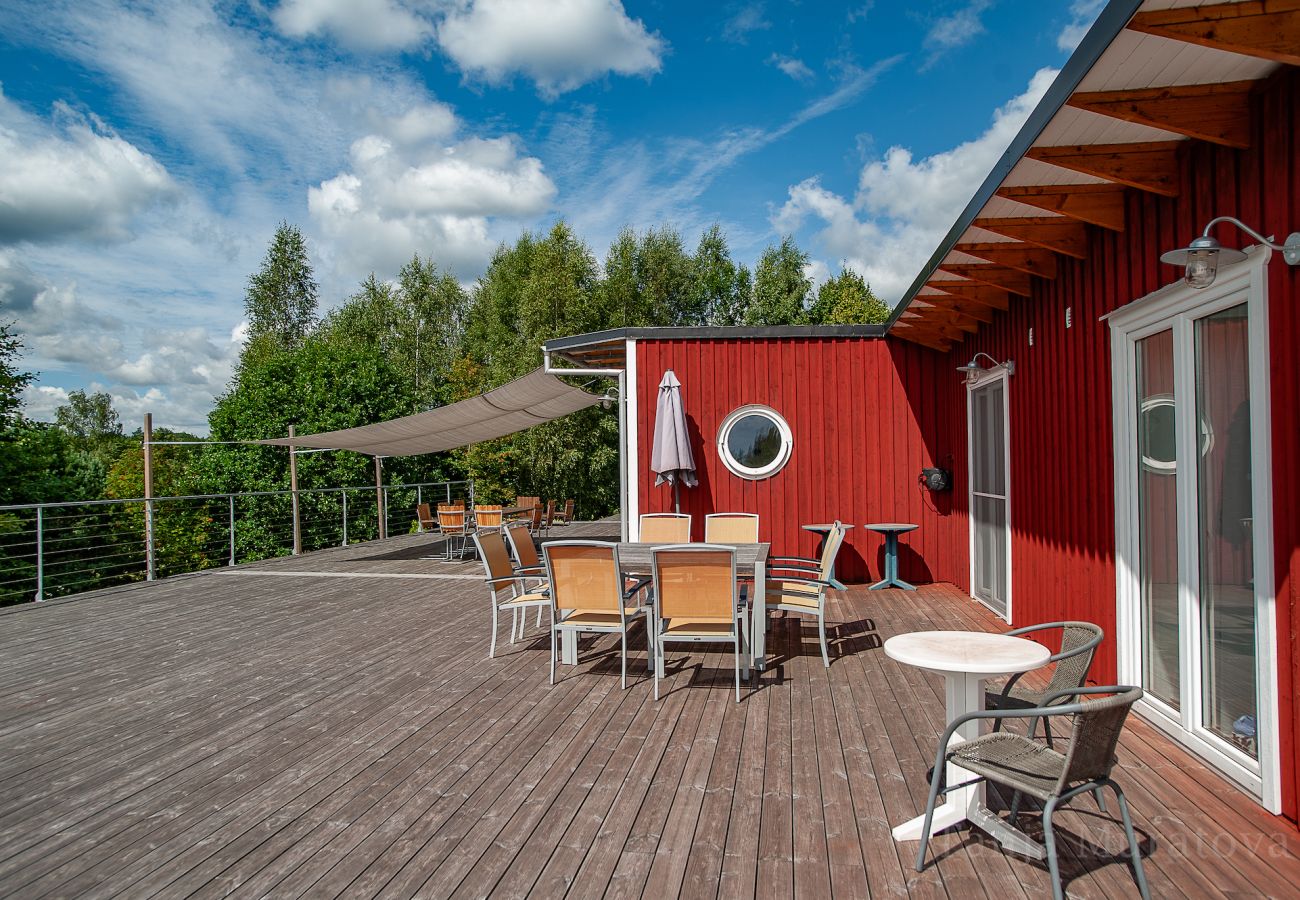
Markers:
point(754, 442)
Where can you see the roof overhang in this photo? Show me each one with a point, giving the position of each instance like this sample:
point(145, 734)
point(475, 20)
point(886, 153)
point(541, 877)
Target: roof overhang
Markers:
point(1148, 77)
point(608, 349)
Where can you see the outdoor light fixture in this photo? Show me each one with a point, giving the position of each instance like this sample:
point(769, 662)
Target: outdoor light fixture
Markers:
point(610, 398)
point(973, 369)
point(1203, 256)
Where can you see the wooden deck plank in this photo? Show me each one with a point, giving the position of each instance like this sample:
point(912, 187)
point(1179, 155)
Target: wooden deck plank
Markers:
point(276, 731)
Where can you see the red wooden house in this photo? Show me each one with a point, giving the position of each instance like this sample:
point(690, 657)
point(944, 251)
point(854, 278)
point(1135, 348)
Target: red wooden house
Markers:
point(1124, 449)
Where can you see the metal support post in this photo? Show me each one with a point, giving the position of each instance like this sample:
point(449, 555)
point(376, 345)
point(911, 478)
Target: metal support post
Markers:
point(40, 554)
point(150, 568)
point(232, 529)
point(345, 517)
point(379, 498)
point(293, 488)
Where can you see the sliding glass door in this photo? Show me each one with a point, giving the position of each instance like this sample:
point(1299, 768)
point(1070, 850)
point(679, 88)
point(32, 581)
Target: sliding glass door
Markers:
point(1192, 468)
point(990, 536)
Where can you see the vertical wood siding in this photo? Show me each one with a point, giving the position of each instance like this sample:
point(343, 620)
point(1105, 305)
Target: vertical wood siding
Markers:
point(1062, 506)
point(866, 415)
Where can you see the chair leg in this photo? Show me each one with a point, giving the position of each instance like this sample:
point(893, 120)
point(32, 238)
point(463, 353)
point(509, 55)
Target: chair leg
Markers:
point(623, 656)
point(492, 648)
point(552, 653)
point(1047, 731)
point(1049, 839)
point(1101, 800)
point(1014, 812)
point(929, 820)
point(649, 640)
point(821, 633)
point(514, 623)
point(539, 617)
point(658, 655)
point(1139, 873)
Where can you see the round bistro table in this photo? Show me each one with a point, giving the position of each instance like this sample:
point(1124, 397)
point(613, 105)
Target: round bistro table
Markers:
point(891, 531)
point(966, 659)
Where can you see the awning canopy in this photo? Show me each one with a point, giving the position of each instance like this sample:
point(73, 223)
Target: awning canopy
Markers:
point(531, 400)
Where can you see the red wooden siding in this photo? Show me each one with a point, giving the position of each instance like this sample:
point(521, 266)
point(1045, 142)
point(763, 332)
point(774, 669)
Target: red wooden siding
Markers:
point(866, 415)
point(1062, 503)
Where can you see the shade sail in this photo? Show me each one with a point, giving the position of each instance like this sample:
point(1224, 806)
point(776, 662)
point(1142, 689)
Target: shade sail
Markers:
point(531, 400)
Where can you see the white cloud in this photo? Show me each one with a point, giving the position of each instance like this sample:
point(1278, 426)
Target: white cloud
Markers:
point(362, 24)
point(955, 30)
point(1082, 14)
point(431, 197)
point(559, 44)
point(71, 177)
point(903, 207)
point(795, 68)
point(747, 20)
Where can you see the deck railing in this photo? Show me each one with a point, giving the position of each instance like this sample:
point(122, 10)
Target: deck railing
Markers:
point(55, 549)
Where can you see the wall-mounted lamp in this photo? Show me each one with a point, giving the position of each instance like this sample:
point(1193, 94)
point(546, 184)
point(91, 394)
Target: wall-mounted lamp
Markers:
point(973, 369)
point(610, 398)
point(1203, 256)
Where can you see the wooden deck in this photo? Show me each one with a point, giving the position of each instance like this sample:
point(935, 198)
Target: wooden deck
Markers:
point(330, 725)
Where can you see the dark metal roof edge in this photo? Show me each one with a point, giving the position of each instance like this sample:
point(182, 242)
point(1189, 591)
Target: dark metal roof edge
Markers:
point(1103, 32)
point(714, 332)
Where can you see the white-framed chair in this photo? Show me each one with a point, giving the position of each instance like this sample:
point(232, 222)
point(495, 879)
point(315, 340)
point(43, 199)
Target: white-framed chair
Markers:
point(588, 594)
point(502, 577)
point(664, 528)
point(528, 565)
point(731, 528)
point(696, 600)
point(799, 584)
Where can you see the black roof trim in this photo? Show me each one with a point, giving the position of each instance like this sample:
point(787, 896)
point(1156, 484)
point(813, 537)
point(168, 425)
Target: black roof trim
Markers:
point(1103, 31)
point(714, 333)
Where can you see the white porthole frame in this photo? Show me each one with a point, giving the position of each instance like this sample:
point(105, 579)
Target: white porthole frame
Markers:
point(734, 465)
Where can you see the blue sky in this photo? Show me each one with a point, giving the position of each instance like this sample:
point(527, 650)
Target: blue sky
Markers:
point(148, 149)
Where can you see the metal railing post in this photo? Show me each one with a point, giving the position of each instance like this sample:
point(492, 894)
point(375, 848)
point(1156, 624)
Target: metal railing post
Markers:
point(345, 518)
point(40, 554)
point(449, 493)
point(232, 529)
point(150, 569)
point(419, 495)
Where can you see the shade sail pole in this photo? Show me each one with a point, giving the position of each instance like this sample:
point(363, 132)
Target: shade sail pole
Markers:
point(623, 455)
point(379, 497)
point(293, 489)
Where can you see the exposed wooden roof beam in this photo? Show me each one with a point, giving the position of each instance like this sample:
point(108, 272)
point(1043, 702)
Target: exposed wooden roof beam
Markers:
point(1217, 113)
point(969, 308)
point(903, 330)
point(1151, 167)
point(1053, 232)
point(997, 276)
point(1096, 204)
point(974, 292)
point(1268, 29)
point(1027, 259)
point(931, 315)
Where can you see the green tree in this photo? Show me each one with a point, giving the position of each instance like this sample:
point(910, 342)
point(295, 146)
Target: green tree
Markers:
point(781, 288)
point(12, 380)
point(92, 424)
point(722, 290)
point(280, 301)
point(847, 299)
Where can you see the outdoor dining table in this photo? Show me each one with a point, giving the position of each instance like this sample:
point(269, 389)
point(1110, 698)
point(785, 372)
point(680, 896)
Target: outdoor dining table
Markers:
point(635, 558)
point(966, 659)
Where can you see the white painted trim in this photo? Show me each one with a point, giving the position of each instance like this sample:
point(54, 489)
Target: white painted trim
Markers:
point(734, 466)
point(1176, 307)
point(632, 457)
point(985, 380)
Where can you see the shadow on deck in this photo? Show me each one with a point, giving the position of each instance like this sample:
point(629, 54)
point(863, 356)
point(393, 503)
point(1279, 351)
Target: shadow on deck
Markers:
point(330, 725)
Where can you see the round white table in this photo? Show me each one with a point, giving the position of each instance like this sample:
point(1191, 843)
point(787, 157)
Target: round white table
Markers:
point(966, 659)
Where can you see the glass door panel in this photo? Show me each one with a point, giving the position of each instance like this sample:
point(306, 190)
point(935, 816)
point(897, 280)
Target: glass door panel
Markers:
point(1224, 528)
point(988, 430)
point(1158, 517)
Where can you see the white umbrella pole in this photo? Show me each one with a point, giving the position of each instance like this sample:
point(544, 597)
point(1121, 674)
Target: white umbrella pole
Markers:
point(677, 497)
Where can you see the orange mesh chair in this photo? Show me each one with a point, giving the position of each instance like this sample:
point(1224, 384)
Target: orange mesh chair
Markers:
point(487, 518)
point(528, 565)
point(526, 504)
point(803, 589)
point(425, 514)
point(452, 523)
point(550, 516)
point(588, 593)
point(502, 577)
point(696, 599)
point(731, 528)
point(565, 516)
point(665, 528)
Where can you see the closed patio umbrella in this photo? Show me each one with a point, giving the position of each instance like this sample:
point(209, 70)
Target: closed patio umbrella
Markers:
point(670, 456)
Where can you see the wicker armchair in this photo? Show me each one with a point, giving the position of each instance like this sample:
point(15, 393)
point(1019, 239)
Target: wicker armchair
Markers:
point(1030, 767)
point(1079, 641)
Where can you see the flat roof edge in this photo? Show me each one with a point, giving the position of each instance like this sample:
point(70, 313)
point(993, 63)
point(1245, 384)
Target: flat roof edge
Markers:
point(714, 333)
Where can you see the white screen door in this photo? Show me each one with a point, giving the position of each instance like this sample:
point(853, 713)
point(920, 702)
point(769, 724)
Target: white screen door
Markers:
point(990, 537)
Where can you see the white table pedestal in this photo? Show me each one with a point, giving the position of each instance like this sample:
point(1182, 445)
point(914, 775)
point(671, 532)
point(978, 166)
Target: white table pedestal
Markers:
point(964, 694)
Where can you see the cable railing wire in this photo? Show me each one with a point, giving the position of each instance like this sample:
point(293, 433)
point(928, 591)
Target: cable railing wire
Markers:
point(50, 550)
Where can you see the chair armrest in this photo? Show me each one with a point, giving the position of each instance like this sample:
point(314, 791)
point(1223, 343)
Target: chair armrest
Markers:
point(531, 571)
point(804, 580)
point(641, 584)
point(1091, 644)
point(801, 561)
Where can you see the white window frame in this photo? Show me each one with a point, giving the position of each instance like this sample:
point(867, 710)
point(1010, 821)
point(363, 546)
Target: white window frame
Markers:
point(1176, 307)
point(734, 465)
point(982, 381)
